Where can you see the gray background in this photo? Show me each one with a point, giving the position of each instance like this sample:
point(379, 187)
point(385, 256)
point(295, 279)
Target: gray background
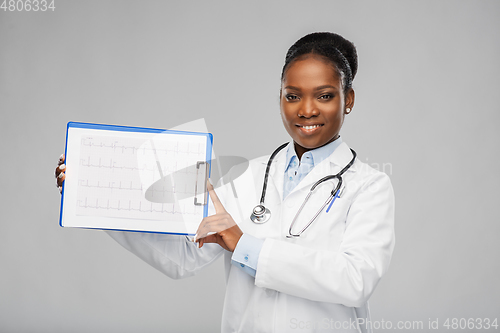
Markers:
point(427, 105)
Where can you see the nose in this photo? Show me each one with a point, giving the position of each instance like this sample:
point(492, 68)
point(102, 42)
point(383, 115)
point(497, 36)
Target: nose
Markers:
point(308, 108)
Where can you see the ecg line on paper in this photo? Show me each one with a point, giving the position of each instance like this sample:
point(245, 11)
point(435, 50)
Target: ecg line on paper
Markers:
point(134, 149)
point(83, 183)
point(112, 165)
point(129, 207)
point(138, 178)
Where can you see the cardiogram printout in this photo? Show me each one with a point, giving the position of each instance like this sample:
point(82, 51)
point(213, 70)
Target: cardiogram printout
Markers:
point(138, 179)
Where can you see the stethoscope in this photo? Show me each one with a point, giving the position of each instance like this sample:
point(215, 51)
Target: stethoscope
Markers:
point(261, 214)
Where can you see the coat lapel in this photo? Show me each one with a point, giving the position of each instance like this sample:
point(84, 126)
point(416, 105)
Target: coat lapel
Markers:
point(329, 166)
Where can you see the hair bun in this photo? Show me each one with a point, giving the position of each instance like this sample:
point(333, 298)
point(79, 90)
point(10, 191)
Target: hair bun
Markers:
point(344, 46)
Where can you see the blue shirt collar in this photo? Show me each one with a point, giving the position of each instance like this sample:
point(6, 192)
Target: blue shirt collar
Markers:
point(315, 156)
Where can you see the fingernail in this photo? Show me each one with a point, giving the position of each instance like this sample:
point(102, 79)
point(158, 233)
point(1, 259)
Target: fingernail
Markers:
point(62, 166)
point(60, 189)
point(61, 157)
point(60, 175)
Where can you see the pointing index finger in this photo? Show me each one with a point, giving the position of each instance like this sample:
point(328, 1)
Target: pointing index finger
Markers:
point(215, 199)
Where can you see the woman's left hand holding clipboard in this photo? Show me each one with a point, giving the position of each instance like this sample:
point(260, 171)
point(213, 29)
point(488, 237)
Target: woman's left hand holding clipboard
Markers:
point(221, 226)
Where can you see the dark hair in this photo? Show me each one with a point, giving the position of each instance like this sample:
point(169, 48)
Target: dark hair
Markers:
point(335, 48)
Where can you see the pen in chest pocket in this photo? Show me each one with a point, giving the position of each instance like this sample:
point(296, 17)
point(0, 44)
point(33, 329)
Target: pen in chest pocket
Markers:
point(337, 195)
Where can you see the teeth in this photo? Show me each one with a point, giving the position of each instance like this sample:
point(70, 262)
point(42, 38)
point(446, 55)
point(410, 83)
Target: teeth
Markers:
point(310, 127)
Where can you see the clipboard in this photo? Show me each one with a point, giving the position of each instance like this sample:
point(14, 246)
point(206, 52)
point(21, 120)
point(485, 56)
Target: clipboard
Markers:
point(135, 179)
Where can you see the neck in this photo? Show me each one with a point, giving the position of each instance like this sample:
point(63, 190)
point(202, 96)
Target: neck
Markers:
point(299, 150)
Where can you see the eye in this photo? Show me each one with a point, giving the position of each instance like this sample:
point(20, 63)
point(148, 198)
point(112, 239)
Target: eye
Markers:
point(290, 97)
point(326, 96)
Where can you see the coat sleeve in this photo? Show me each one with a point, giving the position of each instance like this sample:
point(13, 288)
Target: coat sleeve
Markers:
point(175, 256)
point(347, 276)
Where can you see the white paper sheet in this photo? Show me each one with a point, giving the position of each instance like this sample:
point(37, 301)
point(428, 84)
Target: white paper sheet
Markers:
point(132, 180)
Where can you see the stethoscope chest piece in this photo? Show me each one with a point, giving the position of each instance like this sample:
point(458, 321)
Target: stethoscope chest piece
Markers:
point(260, 214)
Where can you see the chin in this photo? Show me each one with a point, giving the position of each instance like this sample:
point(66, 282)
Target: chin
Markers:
point(309, 144)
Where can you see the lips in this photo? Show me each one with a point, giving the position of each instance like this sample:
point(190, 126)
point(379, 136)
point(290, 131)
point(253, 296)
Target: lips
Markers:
point(309, 128)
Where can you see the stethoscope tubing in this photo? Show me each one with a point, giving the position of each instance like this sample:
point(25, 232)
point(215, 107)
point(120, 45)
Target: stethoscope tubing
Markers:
point(330, 198)
point(261, 214)
point(268, 168)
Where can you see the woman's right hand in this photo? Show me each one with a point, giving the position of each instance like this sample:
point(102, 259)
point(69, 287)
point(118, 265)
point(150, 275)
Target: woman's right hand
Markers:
point(60, 172)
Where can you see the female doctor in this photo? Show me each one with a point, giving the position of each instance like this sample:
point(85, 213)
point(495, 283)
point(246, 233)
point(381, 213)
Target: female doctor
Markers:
point(293, 266)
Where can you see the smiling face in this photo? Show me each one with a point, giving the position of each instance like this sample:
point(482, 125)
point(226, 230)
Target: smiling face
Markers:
point(313, 103)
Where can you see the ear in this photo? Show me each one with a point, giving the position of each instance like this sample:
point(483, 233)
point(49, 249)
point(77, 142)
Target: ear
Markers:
point(349, 99)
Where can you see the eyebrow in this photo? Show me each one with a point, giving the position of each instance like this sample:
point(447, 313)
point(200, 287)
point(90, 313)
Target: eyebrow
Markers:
point(317, 88)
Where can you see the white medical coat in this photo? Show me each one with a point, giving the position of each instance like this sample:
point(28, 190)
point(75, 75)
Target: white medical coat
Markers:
point(318, 282)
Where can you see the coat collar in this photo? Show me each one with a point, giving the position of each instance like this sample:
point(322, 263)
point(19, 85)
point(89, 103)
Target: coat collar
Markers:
point(330, 165)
